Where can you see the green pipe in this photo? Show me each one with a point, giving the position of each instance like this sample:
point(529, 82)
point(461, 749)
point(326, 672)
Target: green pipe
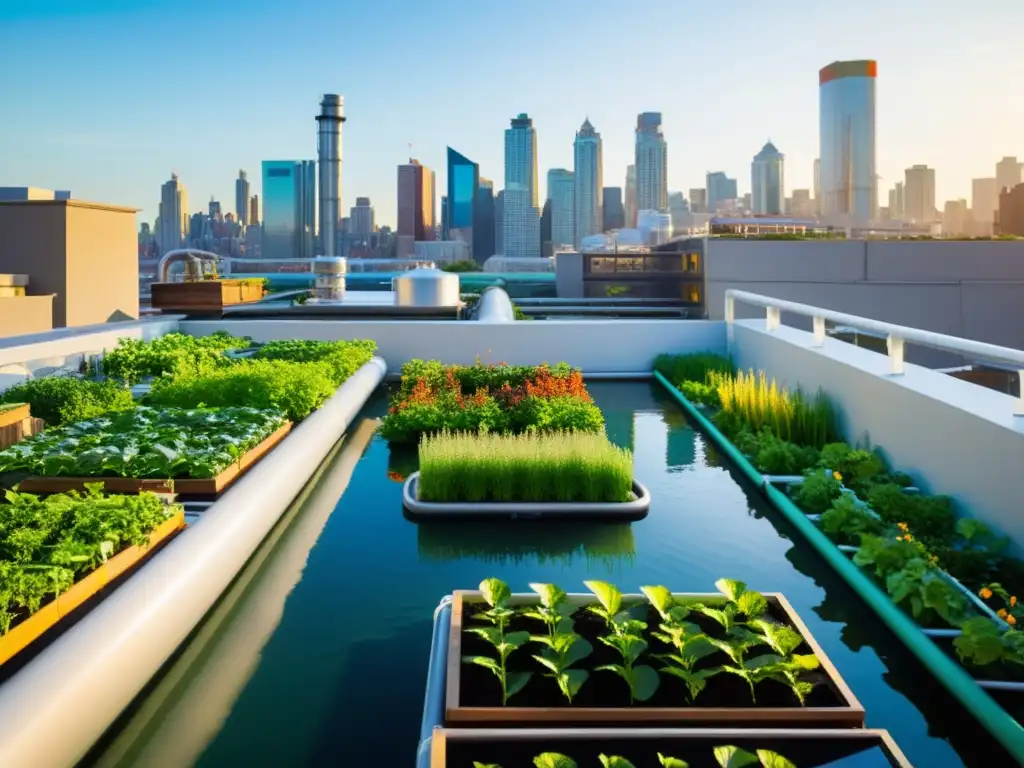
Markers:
point(951, 675)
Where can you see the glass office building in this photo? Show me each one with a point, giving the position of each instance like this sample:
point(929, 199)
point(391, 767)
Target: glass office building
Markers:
point(463, 182)
point(289, 209)
point(849, 187)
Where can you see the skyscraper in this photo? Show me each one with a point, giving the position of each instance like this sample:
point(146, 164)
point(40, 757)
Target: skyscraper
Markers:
point(651, 164)
point(698, 200)
point(984, 200)
point(361, 218)
point(719, 189)
point(678, 210)
point(897, 202)
point(588, 160)
point(289, 209)
point(767, 181)
point(483, 226)
point(415, 207)
point(920, 194)
point(849, 186)
point(242, 197)
point(562, 212)
point(173, 215)
point(254, 210)
point(614, 214)
point(521, 212)
point(630, 209)
point(463, 183)
point(499, 223)
point(1008, 174)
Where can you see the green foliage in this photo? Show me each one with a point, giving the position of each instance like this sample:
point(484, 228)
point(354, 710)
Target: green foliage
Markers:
point(846, 520)
point(699, 392)
point(693, 367)
point(464, 265)
point(726, 757)
point(496, 594)
point(60, 400)
point(983, 642)
point(339, 358)
point(775, 456)
point(561, 650)
point(46, 544)
point(818, 491)
point(553, 467)
point(174, 354)
point(144, 443)
point(859, 470)
point(295, 388)
point(931, 518)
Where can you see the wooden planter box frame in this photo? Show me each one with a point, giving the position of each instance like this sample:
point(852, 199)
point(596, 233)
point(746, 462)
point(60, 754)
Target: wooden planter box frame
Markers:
point(13, 414)
point(441, 737)
point(848, 715)
point(205, 295)
point(203, 486)
point(28, 631)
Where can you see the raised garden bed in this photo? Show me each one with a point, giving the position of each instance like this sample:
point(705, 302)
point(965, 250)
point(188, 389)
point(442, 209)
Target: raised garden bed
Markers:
point(13, 413)
point(199, 451)
point(134, 361)
point(206, 295)
point(747, 659)
point(801, 748)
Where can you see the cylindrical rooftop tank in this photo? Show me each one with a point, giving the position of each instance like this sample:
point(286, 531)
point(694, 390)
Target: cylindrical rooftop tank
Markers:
point(330, 278)
point(426, 287)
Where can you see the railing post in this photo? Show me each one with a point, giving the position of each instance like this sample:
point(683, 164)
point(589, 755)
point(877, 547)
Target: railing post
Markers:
point(1018, 409)
point(730, 318)
point(819, 331)
point(895, 345)
point(773, 318)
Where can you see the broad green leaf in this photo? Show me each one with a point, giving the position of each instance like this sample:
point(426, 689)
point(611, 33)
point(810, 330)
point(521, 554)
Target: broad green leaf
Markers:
point(677, 613)
point(477, 764)
point(515, 682)
point(782, 639)
point(764, 660)
point(551, 664)
point(671, 762)
point(725, 616)
point(618, 669)
point(660, 597)
point(483, 661)
point(645, 682)
point(516, 639)
point(491, 634)
point(550, 595)
point(579, 650)
point(734, 757)
point(607, 594)
point(571, 680)
point(771, 759)
point(614, 761)
point(495, 592)
point(695, 680)
point(980, 641)
point(752, 604)
point(806, 661)
point(731, 588)
point(553, 760)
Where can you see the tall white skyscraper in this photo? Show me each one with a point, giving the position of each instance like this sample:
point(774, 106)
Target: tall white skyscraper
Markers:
point(651, 164)
point(630, 205)
point(173, 215)
point(846, 115)
point(560, 193)
point(767, 181)
point(589, 182)
point(521, 213)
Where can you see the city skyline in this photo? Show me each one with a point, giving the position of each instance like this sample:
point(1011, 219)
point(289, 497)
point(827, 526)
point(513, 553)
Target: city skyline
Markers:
point(117, 147)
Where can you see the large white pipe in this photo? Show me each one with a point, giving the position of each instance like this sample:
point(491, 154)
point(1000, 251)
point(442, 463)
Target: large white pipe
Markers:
point(54, 710)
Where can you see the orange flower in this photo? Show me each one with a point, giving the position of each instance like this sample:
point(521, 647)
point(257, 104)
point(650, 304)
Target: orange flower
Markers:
point(985, 593)
point(1013, 600)
point(903, 526)
point(837, 476)
point(1011, 620)
point(1001, 613)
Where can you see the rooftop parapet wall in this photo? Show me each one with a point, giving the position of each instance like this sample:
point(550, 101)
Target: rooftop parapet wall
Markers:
point(951, 436)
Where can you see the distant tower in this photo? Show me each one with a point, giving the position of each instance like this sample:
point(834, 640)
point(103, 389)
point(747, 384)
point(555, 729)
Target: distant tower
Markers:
point(242, 198)
point(651, 164)
point(767, 181)
point(588, 165)
point(329, 154)
point(847, 176)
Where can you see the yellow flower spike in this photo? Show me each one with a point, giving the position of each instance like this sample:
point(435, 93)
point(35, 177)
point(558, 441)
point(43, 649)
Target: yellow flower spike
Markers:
point(1011, 620)
point(985, 593)
point(1001, 613)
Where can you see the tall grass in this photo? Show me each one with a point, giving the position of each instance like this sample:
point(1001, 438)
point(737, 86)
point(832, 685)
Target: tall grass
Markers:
point(760, 403)
point(530, 467)
point(694, 367)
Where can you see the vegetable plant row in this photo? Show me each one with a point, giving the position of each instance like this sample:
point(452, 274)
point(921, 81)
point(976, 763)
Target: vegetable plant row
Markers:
point(529, 467)
point(174, 354)
point(732, 650)
point(145, 443)
point(47, 544)
point(907, 540)
point(497, 398)
point(728, 756)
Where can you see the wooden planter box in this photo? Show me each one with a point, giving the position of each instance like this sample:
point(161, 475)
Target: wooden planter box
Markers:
point(205, 295)
point(196, 487)
point(13, 413)
point(22, 635)
point(831, 704)
point(514, 747)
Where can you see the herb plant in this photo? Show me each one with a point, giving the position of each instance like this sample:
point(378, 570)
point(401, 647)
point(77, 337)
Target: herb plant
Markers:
point(174, 354)
point(496, 594)
point(60, 400)
point(340, 359)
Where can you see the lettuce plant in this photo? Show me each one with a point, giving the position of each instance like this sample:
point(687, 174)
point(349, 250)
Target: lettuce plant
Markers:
point(496, 594)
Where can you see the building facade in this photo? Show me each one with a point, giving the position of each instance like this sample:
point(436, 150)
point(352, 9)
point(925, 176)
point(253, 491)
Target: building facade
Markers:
point(767, 182)
point(919, 191)
point(289, 209)
point(362, 220)
point(463, 183)
point(630, 204)
point(560, 204)
point(484, 245)
point(1008, 174)
point(984, 200)
point(173, 215)
point(521, 212)
point(612, 211)
point(242, 198)
point(720, 188)
point(847, 176)
point(415, 207)
point(588, 162)
point(254, 210)
point(651, 164)
point(1011, 211)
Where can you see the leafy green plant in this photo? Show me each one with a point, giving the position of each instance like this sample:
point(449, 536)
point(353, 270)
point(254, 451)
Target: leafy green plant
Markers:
point(734, 757)
point(982, 641)
point(144, 443)
point(689, 644)
point(726, 756)
point(340, 359)
point(846, 520)
point(496, 594)
point(740, 602)
point(552, 609)
point(699, 392)
point(818, 491)
point(626, 639)
point(173, 354)
point(858, 469)
point(693, 367)
point(60, 400)
point(775, 456)
point(561, 651)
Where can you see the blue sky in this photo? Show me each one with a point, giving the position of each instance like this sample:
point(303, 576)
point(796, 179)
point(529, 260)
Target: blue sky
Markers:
point(108, 97)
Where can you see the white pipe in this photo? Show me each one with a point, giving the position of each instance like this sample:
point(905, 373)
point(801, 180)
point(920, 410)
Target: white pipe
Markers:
point(494, 306)
point(85, 679)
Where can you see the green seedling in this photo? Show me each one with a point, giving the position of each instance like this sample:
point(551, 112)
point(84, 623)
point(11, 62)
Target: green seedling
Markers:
point(671, 762)
point(641, 679)
point(562, 651)
point(552, 609)
point(671, 611)
point(553, 760)
point(742, 604)
point(611, 602)
point(734, 757)
point(614, 761)
point(496, 594)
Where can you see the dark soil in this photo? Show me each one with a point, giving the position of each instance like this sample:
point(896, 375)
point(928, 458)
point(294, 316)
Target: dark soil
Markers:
point(479, 687)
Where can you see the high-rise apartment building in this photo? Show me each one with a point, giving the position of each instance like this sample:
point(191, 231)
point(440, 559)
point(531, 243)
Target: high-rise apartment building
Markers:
point(1008, 174)
point(614, 215)
point(561, 186)
point(897, 202)
point(463, 183)
point(173, 215)
point(919, 191)
point(289, 209)
point(415, 207)
point(720, 188)
point(521, 214)
point(1011, 211)
point(956, 218)
point(678, 210)
point(254, 210)
point(698, 200)
point(801, 205)
point(242, 197)
point(214, 209)
point(588, 161)
point(984, 200)
point(651, 164)
point(499, 223)
point(361, 218)
point(630, 196)
point(483, 229)
point(767, 181)
point(849, 185)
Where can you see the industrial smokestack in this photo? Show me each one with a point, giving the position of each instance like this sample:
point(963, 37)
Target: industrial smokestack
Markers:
point(329, 152)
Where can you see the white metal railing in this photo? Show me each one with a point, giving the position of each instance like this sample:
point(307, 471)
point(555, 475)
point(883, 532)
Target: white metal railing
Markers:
point(896, 335)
